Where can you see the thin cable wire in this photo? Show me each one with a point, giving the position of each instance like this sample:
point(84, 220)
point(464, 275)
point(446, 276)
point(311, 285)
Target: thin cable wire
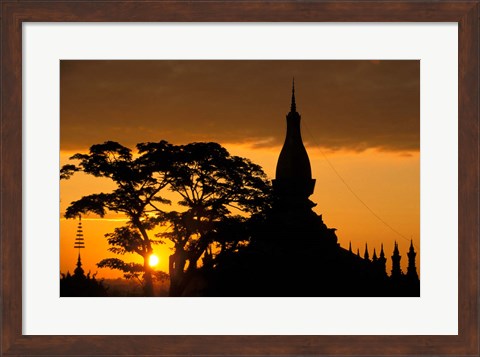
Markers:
point(348, 186)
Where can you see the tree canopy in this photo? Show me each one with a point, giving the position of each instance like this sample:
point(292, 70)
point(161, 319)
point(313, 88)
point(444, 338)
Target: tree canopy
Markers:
point(215, 191)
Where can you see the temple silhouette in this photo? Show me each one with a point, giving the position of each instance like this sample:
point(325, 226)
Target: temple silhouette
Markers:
point(80, 284)
point(294, 253)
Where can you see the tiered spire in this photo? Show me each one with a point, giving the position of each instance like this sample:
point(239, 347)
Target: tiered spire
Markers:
point(79, 244)
point(293, 176)
point(79, 241)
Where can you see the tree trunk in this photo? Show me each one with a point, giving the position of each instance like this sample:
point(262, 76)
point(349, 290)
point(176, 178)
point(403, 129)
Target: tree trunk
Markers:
point(176, 270)
point(148, 282)
point(194, 256)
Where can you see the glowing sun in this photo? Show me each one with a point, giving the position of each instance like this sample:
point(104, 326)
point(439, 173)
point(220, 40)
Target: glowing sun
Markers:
point(153, 260)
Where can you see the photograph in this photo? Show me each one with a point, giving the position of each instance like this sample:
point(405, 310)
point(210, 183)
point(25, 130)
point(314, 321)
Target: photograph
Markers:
point(239, 178)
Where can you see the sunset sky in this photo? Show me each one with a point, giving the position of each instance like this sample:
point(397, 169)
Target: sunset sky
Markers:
point(360, 126)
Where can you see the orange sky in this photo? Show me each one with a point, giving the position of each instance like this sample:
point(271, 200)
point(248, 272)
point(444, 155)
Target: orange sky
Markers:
point(362, 115)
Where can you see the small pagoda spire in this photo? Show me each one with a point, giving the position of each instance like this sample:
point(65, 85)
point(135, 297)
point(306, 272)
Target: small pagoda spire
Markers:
point(396, 257)
point(350, 247)
point(79, 272)
point(293, 106)
point(395, 248)
point(382, 262)
point(79, 241)
point(374, 258)
point(382, 253)
point(79, 244)
point(358, 251)
point(412, 269)
point(365, 255)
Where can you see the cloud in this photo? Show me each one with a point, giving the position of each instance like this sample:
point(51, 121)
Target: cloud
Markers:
point(353, 105)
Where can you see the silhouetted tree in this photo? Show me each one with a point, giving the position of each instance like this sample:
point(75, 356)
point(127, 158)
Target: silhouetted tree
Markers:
point(211, 184)
point(136, 194)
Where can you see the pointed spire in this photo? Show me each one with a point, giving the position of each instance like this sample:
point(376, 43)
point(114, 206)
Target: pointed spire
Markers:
point(396, 257)
point(79, 272)
point(382, 262)
point(366, 256)
point(358, 251)
point(374, 258)
point(350, 247)
point(79, 261)
point(412, 269)
point(411, 246)
point(293, 176)
point(382, 253)
point(395, 249)
point(293, 106)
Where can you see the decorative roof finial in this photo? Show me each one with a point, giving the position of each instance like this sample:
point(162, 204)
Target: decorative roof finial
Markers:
point(293, 107)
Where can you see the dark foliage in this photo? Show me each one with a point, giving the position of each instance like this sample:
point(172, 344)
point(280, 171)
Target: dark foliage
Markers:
point(213, 187)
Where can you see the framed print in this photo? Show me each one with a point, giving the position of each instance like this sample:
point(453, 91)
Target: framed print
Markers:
point(240, 178)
